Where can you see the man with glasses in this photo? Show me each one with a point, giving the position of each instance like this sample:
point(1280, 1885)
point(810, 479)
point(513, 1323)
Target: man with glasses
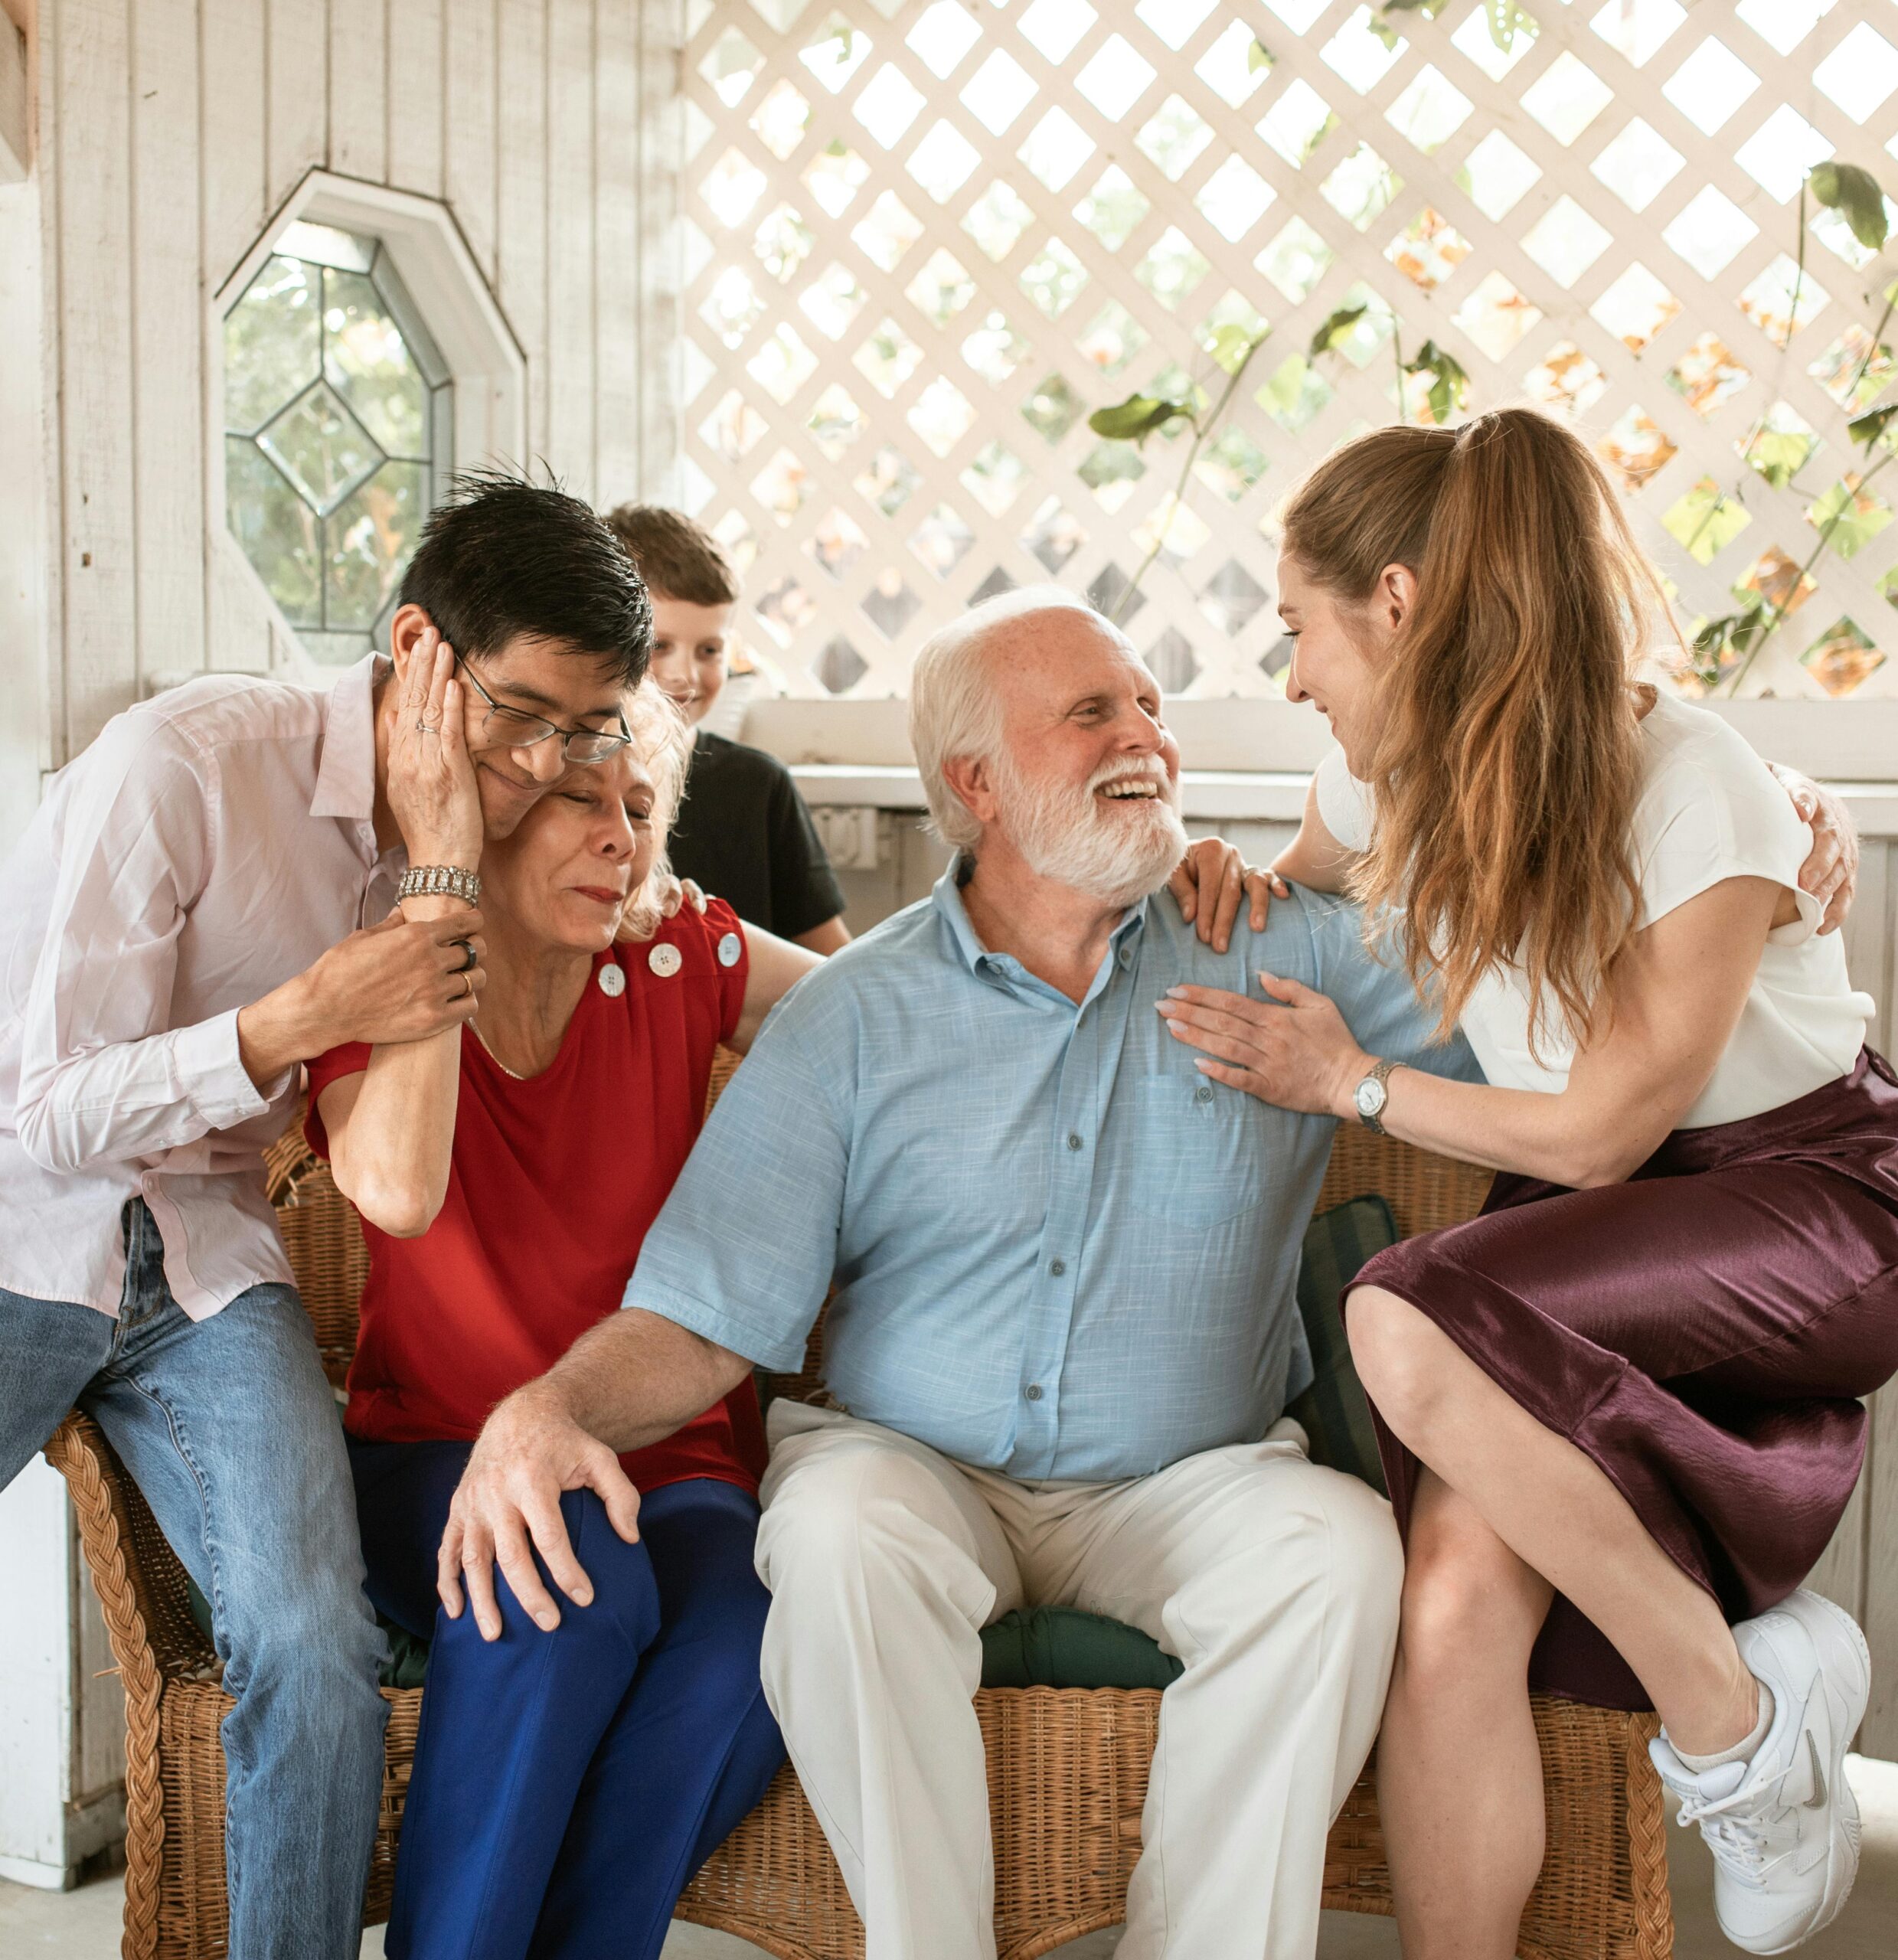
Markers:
point(203, 899)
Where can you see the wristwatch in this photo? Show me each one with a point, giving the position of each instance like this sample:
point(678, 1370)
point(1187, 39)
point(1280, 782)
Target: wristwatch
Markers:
point(1372, 1094)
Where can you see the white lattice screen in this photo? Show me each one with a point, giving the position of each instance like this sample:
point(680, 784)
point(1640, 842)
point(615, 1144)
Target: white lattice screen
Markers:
point(925, 239)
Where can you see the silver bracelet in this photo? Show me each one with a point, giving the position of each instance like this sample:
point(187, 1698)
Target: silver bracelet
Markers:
point(440, 881)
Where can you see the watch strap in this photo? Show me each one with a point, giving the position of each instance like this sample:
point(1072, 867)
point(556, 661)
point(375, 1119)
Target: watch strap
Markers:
point(1380, 1071)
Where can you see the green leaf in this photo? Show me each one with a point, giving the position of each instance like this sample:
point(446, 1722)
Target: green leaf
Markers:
point(1854, 194)
point(1506, 19)
point(1849, 517)
point(1134, 419)
point(1335, 326)
point(1731, 636)
point(1778, 454)
point(1865, 430)
point(1450, 383)
point(1384, 30)
point(1232, 345)
point(1258, 56)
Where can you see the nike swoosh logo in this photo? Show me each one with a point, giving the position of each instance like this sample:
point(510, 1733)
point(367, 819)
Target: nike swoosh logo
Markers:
point(1817, 1800)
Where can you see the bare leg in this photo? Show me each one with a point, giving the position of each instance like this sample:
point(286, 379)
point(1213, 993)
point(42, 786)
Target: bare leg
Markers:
point(1559, 1515)
point(1459, 1776)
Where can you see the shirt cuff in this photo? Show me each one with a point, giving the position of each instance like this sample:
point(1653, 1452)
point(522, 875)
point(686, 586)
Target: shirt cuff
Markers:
point(211, 1064)
point(773, 1348)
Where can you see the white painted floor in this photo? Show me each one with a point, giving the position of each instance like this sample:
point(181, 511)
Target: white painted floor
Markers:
point(84, 1924)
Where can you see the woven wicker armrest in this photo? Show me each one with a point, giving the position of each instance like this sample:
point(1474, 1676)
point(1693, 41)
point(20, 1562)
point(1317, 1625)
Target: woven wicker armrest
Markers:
point(141, 1586)
point(156, 1643)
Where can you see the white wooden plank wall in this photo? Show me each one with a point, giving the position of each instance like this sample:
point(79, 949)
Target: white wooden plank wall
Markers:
point(173, 130)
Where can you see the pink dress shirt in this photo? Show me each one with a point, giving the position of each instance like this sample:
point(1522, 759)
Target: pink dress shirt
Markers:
point(208, 846)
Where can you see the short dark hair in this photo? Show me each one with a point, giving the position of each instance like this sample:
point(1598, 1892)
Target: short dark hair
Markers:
point(677, 557)
point(504, 556)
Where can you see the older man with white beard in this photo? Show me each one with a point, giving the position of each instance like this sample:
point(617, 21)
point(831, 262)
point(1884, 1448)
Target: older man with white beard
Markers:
point(1063, 1334)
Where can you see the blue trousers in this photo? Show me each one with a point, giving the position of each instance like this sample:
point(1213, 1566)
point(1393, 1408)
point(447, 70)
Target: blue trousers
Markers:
point(568, 1785)
point(228, 1428)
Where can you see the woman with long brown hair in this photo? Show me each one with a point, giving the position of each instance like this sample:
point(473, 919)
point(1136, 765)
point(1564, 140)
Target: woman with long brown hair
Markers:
point(1616, 1410)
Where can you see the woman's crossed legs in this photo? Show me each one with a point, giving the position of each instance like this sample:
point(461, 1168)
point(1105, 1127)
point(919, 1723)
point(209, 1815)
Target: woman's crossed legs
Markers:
point(1506, 1514)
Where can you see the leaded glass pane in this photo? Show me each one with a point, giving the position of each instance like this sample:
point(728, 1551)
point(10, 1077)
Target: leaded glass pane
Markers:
point(278, 531)
point(340, 417)
point(272, 343)
point(371, 536)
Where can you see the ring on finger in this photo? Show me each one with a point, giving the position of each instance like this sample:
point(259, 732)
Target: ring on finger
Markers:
point(468, 985)
point(469, 962)
point(428, 728)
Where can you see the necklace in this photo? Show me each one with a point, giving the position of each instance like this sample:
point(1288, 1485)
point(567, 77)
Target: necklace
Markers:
point(515, 1074)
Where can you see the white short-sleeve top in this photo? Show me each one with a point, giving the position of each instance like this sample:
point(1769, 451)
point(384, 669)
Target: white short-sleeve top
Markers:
point(1709, 809)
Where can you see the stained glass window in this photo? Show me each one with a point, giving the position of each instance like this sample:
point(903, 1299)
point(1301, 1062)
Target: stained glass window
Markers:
point(337, 434)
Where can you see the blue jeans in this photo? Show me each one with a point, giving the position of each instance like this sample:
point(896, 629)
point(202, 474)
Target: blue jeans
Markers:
point(228, 1427)
point(568, 1785)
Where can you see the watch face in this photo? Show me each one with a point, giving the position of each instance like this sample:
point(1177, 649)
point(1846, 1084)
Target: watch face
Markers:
point(1370, 1096)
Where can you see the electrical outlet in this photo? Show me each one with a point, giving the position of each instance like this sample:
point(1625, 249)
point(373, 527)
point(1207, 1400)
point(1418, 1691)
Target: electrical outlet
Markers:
point(849, 833)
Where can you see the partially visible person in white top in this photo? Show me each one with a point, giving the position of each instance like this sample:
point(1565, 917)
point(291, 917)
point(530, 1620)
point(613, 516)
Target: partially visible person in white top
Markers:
point(203, 901)
point(1617, 1410)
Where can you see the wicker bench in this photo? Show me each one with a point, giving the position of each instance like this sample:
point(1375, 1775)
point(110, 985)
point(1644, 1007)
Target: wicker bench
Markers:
point(1067, 1769)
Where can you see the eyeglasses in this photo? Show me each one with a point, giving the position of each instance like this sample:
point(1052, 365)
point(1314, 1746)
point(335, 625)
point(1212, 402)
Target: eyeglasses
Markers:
point(504, 727)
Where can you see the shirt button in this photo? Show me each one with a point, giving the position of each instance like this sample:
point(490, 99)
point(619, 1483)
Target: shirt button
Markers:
point(1074, 1139)
point(1057, 1267)
point(1203, 1094)
point(1034, 1391)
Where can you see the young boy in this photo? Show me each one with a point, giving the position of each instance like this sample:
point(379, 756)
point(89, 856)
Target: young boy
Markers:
point(743, 833)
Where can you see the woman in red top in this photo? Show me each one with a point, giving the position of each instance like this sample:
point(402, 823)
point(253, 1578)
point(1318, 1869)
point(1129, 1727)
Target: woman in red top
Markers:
point(569, 1777)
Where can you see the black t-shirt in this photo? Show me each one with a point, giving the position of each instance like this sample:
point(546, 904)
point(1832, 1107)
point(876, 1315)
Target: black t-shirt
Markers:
point(743, 834)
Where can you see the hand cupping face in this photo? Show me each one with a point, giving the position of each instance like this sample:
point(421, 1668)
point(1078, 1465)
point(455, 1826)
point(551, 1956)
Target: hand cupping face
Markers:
point(431, 784)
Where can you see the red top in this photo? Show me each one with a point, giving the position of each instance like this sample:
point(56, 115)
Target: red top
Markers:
point(552, 1182)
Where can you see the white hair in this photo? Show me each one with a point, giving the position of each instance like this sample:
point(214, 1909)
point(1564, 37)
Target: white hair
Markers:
point(955, 707)
point(662, 740)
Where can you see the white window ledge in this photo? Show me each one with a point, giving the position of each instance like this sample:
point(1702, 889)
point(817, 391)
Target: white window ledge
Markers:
point(1216, 796)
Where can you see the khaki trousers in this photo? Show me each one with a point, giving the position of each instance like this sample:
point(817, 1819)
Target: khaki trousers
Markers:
point(1275, 1581)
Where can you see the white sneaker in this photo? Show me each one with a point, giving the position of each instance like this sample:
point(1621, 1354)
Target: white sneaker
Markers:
point(1784, 1828)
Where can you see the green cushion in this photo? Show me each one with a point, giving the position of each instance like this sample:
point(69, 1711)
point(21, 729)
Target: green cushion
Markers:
point(1060, 1647)
point(1333, 1411)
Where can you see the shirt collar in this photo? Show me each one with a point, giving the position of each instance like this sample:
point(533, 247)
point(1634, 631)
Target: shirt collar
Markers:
point(947, 898)
point(346, 776)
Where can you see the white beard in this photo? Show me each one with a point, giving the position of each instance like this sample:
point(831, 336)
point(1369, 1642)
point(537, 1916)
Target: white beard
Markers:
point(1116, 854)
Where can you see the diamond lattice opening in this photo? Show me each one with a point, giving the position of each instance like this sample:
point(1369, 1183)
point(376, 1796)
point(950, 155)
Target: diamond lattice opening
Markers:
point(995, 212)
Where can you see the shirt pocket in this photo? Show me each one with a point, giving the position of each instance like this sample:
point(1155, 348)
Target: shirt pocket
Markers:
point(1197, 1160)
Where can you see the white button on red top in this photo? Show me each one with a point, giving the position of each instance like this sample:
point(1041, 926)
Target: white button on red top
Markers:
point(729, 949)
point(612, 982)
point(665, 961)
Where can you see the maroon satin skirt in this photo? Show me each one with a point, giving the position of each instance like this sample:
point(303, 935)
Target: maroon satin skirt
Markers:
point(1700, 1330)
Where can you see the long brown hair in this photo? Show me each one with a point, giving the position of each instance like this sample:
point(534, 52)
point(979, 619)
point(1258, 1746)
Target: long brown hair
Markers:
point(1506, 771)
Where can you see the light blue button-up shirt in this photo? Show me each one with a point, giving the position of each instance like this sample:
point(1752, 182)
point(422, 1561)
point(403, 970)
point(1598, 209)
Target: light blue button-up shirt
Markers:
point(1059, 1252)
